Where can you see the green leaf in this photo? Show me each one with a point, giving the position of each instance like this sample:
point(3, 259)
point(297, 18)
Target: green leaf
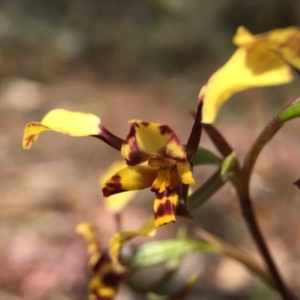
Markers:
point(227, 165)
point(204, 192)
point(205, 157)
point(142, 279)
point(291, 112)
point(161, 251)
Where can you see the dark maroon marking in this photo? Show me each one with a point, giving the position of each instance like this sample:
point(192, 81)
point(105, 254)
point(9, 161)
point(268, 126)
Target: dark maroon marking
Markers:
point(103, 259)
point(29, 140)
point(166, 193)
point(165, 129)
point(112, 279)
point(113, 187)
point(165, 209)
point(144, 123)
point(116, 182)
point(134, 155)
point(155, 190)
point(107, 192)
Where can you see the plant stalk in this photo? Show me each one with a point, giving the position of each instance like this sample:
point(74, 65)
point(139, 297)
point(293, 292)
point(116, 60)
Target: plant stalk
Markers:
point(251, 221)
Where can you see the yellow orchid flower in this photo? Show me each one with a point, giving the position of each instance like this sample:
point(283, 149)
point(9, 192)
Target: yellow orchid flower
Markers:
point(153, 154)
point(108, 272)
point(155, 158)
point(261, 60)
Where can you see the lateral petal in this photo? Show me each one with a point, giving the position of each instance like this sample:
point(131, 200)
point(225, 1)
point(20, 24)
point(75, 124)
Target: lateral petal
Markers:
point(130, 178)
point(116, 203)
point(63, 121)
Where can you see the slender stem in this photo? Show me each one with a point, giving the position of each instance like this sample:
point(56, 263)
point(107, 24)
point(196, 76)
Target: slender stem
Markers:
point(251, 221)
point(264, 137)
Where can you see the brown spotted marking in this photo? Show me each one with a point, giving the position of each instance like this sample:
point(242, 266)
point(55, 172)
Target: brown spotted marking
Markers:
point(113, 187)
point(29, 140)
point(134, 155)
point(145, 123)
point(165, 129)
point(166, 208)
point(104, 258)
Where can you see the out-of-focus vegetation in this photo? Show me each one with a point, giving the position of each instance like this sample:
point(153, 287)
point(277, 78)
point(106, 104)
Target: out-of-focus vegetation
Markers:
point(129, 39)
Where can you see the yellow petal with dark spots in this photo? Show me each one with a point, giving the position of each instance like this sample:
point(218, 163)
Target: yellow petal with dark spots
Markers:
point(130, 178)
point(165, 206)
point(116, 203)
point(63, 121)
point(118, 240)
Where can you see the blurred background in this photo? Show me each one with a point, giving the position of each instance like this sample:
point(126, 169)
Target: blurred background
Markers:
point(122, 60)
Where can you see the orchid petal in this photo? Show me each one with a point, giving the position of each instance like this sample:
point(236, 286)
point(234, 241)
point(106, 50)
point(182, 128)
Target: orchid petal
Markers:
point(185, 173)
point(285, 42)
point(87, 231)
point(165, 206)
point(247, 68)
point(118, 240)
point(63, 121)
point(147, 139)
point(116, 203)
point(130, 178)
point(159, 180)
point(167, 199)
